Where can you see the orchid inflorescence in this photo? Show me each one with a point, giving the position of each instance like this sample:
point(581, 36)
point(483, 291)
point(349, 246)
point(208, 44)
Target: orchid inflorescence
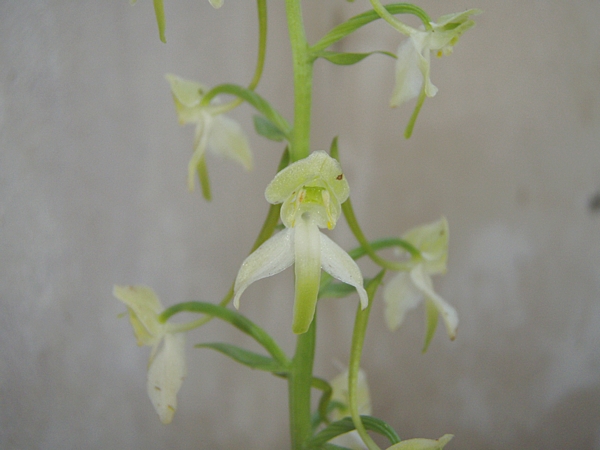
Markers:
point(309, 193)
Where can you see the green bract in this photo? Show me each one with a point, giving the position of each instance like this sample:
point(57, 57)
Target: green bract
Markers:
point(407, 289)
point(166, 367)
point(213, 130)
point(311, 191)
point(413, 63)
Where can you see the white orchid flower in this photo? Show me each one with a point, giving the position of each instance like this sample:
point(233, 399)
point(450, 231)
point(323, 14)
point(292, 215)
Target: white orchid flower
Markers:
point(422, 444)
point(340, 394)
point(413, 63)
point(407, 289)
point(312, 191)
point(166, 366)
point(214, 131)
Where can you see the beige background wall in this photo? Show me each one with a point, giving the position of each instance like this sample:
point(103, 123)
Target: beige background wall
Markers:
point(92, 193)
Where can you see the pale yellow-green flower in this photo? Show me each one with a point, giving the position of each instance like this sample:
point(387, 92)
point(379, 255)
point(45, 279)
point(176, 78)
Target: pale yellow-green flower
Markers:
point(166, 366)
point(407, 289)
point(422, 444)
point(413, 63)
point(214, 131)
point(312, 191)
point(339, 386)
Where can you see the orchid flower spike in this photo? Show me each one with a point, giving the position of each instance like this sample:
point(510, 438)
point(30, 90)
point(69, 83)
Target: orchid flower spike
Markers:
point(407, 289)
point(413, 63)
point(340, 395)
point(166, 366)
point(312, 191)
point(214, 131)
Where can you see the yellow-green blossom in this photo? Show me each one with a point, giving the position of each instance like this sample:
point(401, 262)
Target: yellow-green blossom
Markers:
point(312, 191)
point(413, 63)
point(214, 131)
point(166, 366)
point(407, 289)
point(340, 395)
point(422, 444)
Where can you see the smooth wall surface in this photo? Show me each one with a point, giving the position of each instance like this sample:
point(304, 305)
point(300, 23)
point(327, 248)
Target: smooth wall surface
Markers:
point(93, 192)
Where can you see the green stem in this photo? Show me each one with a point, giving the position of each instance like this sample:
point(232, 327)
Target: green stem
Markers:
point(260, 63)
point(354, 23)
point(261, 6)
point(358, 338)
point(413, 118)
point(299, 387)
point(385, 15)
point(303, 64)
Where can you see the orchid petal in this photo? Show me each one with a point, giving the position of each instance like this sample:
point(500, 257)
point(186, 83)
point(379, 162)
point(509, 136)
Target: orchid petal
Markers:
point(337, 263)
point(203, 130)
point(187, 96)
point(187, 93)
point(227, 138)
point(165, 376)
point(422, 444)
point(216, 3)
point(273, 256)
point(308, 273)
point(432, 241)
point(423, 282)
point(400, 296)
point(409, 78)
point(144, 307)
point(318, 169)
point(339, 387)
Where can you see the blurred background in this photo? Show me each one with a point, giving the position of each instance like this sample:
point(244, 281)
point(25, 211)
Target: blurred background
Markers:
point(93, 192)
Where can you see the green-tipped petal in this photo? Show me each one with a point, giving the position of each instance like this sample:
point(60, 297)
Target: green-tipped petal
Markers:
point(273, 256)
point(144, 308)
point(308, 273)
point(337, 263)
point(226, 138)
point(431, 318)
point(165, 376)
point(400, 296)
point(159, 11)
point(422, 444)
point(216, 3)
point(423, 282)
